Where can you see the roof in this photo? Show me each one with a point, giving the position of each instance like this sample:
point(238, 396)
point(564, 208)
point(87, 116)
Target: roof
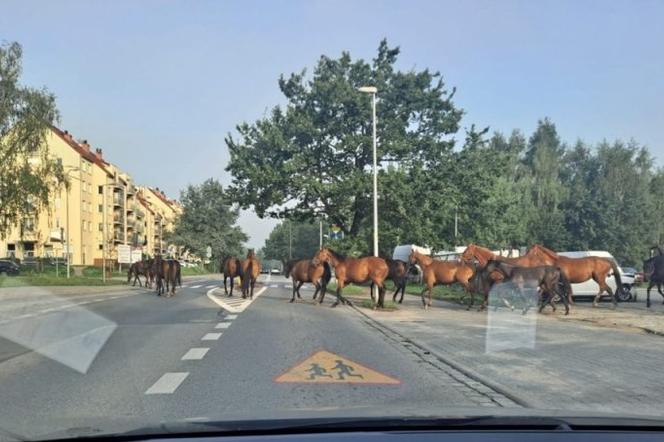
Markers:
point(144, 203)
point(159, 194)
point(87, 154)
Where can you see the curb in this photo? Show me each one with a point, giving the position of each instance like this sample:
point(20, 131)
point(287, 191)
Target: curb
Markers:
point(444, 359)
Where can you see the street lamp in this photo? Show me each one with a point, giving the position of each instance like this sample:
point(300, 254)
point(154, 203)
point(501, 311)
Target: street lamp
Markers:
point(373, 90)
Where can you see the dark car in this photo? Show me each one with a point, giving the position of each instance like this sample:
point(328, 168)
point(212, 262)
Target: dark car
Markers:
point(8, 268)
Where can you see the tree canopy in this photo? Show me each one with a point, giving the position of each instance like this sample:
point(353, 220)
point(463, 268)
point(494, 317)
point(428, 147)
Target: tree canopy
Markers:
point(28, 175)
point(208, 220)
point(305, 241)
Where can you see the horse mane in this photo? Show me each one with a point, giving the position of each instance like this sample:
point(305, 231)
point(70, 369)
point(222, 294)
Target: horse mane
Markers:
point(541, 249)
point(337, 255)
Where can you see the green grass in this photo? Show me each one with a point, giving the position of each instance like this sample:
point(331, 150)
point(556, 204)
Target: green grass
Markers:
point(192, 271)
point(349, 290)
point(52, 280)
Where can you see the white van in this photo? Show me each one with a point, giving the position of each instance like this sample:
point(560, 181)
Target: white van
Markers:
point(403, 252)
point(590, 287)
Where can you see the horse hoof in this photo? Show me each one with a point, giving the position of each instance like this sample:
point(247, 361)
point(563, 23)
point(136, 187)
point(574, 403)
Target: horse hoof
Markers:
point(334, 304)
point(291, 301)
point(595, 304)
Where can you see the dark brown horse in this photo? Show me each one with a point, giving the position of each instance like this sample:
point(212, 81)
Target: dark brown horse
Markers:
point(548, 280)
point(304, 270)
point(167, 275)
point(356, 271)
point(139, 268)
point(398, 273)
point(442, 272)
point(230, 267)
point(250, 268)
point(582, 269)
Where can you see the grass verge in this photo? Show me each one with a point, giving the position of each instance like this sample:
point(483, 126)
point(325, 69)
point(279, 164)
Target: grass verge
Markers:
point(52, 280)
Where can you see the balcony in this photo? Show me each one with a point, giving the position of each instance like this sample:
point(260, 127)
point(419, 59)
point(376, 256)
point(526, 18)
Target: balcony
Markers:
point(131, 189)
point(118, 200)
point(118, 236)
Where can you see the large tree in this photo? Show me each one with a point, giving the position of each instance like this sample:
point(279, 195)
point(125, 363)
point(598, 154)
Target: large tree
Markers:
point(312, 158)
point(292, 239)
point(28, 175)
point(208, 220)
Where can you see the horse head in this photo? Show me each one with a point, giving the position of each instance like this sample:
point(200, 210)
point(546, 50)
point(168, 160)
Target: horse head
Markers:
point(323, 255)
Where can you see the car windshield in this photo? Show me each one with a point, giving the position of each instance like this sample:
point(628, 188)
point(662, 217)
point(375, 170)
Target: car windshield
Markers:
point(242, 214)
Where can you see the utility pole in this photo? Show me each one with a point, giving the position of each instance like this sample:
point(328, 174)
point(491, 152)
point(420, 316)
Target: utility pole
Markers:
point(103, 252)
point(290, 239)
point(456, 222)
point(320, 234)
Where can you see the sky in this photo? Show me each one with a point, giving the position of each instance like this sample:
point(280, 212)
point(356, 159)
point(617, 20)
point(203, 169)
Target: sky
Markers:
point(158, 85)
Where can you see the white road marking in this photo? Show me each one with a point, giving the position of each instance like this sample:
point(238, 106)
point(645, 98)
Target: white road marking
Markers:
point(168, 383)
point(230, 317)
point(211, 336)
point(233, 305)
point(195, 354)
point(274, 286)
point(195, 286)
point(288, 286)
point(222, 325)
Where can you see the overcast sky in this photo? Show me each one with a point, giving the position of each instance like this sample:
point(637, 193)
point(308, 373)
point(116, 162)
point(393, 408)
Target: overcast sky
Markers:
point(158, 84)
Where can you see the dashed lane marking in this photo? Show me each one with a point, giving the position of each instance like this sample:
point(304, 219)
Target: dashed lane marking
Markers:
point(274, 286)
point(234, 305)
point(230, 317)
point(211, 337)
point(196, 286)
point(195, 354)
point(222, 325)
point(168, 383)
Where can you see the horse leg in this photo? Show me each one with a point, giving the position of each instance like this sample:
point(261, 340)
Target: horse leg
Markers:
point(300, 284)
point(225, 289)
point(659, 289)
point(317, 285)
point(371, 292)
point(251, 288)
point(292, 299)
point(340, 297)
point(381, 295)
point(650, 284)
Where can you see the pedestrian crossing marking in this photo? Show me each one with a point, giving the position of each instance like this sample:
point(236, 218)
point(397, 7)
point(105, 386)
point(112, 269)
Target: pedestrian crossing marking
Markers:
point(324, 367)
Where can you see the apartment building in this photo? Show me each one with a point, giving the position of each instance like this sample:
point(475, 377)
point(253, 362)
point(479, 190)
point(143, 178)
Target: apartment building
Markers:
point(101, 209)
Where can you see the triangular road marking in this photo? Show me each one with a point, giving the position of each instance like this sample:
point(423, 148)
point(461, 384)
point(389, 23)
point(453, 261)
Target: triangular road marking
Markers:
point(324, 367)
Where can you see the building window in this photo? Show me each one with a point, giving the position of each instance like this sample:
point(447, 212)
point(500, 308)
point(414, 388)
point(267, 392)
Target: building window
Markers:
point(100, 190)
point(100, 208)
point(101, 246)
point(101, 227)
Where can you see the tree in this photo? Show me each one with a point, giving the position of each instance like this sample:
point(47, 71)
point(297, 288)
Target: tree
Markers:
point(28, 176)
point(312, 158)
point(208, 220)
point(304, 244)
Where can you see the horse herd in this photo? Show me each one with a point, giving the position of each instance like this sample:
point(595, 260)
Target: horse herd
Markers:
point(165, 273)
point(478, 271)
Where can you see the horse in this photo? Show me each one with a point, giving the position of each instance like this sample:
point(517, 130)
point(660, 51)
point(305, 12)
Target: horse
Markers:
point(442, 272)
point(167, 275)
point(547, 279)
point(482, 256)
point(399, 276)
point(356, 271)
point(139, 268)
point(653, 271)
point(304, 270)
point(250, 268)
point(578, 270)
point(230, 267)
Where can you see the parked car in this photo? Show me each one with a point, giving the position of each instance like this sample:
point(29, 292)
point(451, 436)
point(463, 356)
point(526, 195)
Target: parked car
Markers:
point(591, 288)
point(9, 268)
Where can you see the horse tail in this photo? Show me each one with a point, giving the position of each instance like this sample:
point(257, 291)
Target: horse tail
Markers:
point(616, 275)
point(327, 273)
point(249, 274)
point(238, 268)
point(131, 268)
point(567, 287)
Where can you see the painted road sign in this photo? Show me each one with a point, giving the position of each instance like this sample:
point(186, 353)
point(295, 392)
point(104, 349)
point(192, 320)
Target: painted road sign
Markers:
point(324, 367)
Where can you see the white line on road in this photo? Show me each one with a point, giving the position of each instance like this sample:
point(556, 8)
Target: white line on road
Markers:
point(168, 383)
point(196, 286)
point(222, 325)
point(274, 286)
point(233, 306)
point(230, 317)
point(195, 354)
point(211, 336)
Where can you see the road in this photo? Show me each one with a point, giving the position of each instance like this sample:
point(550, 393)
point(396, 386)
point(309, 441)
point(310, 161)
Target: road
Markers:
point(139, 358)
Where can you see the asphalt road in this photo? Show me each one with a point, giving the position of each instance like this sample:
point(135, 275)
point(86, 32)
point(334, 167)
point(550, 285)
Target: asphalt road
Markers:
point(101, 362)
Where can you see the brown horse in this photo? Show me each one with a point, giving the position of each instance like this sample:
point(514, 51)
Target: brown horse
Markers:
point(304, 270)
point(250, 268)
point(167, 274)
point(482, 256)
point(356, 271)
point(139, 268)
point(442, 272)
point(548, 280)
point(230, 267)
point(582, 269)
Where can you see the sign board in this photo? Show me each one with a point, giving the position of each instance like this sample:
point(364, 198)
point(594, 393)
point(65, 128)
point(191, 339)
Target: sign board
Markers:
point(208, 252)
point(136, 254)
point(124, 254)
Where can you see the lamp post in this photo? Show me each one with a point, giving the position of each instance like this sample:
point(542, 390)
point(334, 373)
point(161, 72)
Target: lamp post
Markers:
point(373, 90)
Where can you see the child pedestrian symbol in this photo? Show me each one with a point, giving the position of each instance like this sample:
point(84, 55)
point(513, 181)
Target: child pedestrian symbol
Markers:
point(344, 370)
point(317, 370)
